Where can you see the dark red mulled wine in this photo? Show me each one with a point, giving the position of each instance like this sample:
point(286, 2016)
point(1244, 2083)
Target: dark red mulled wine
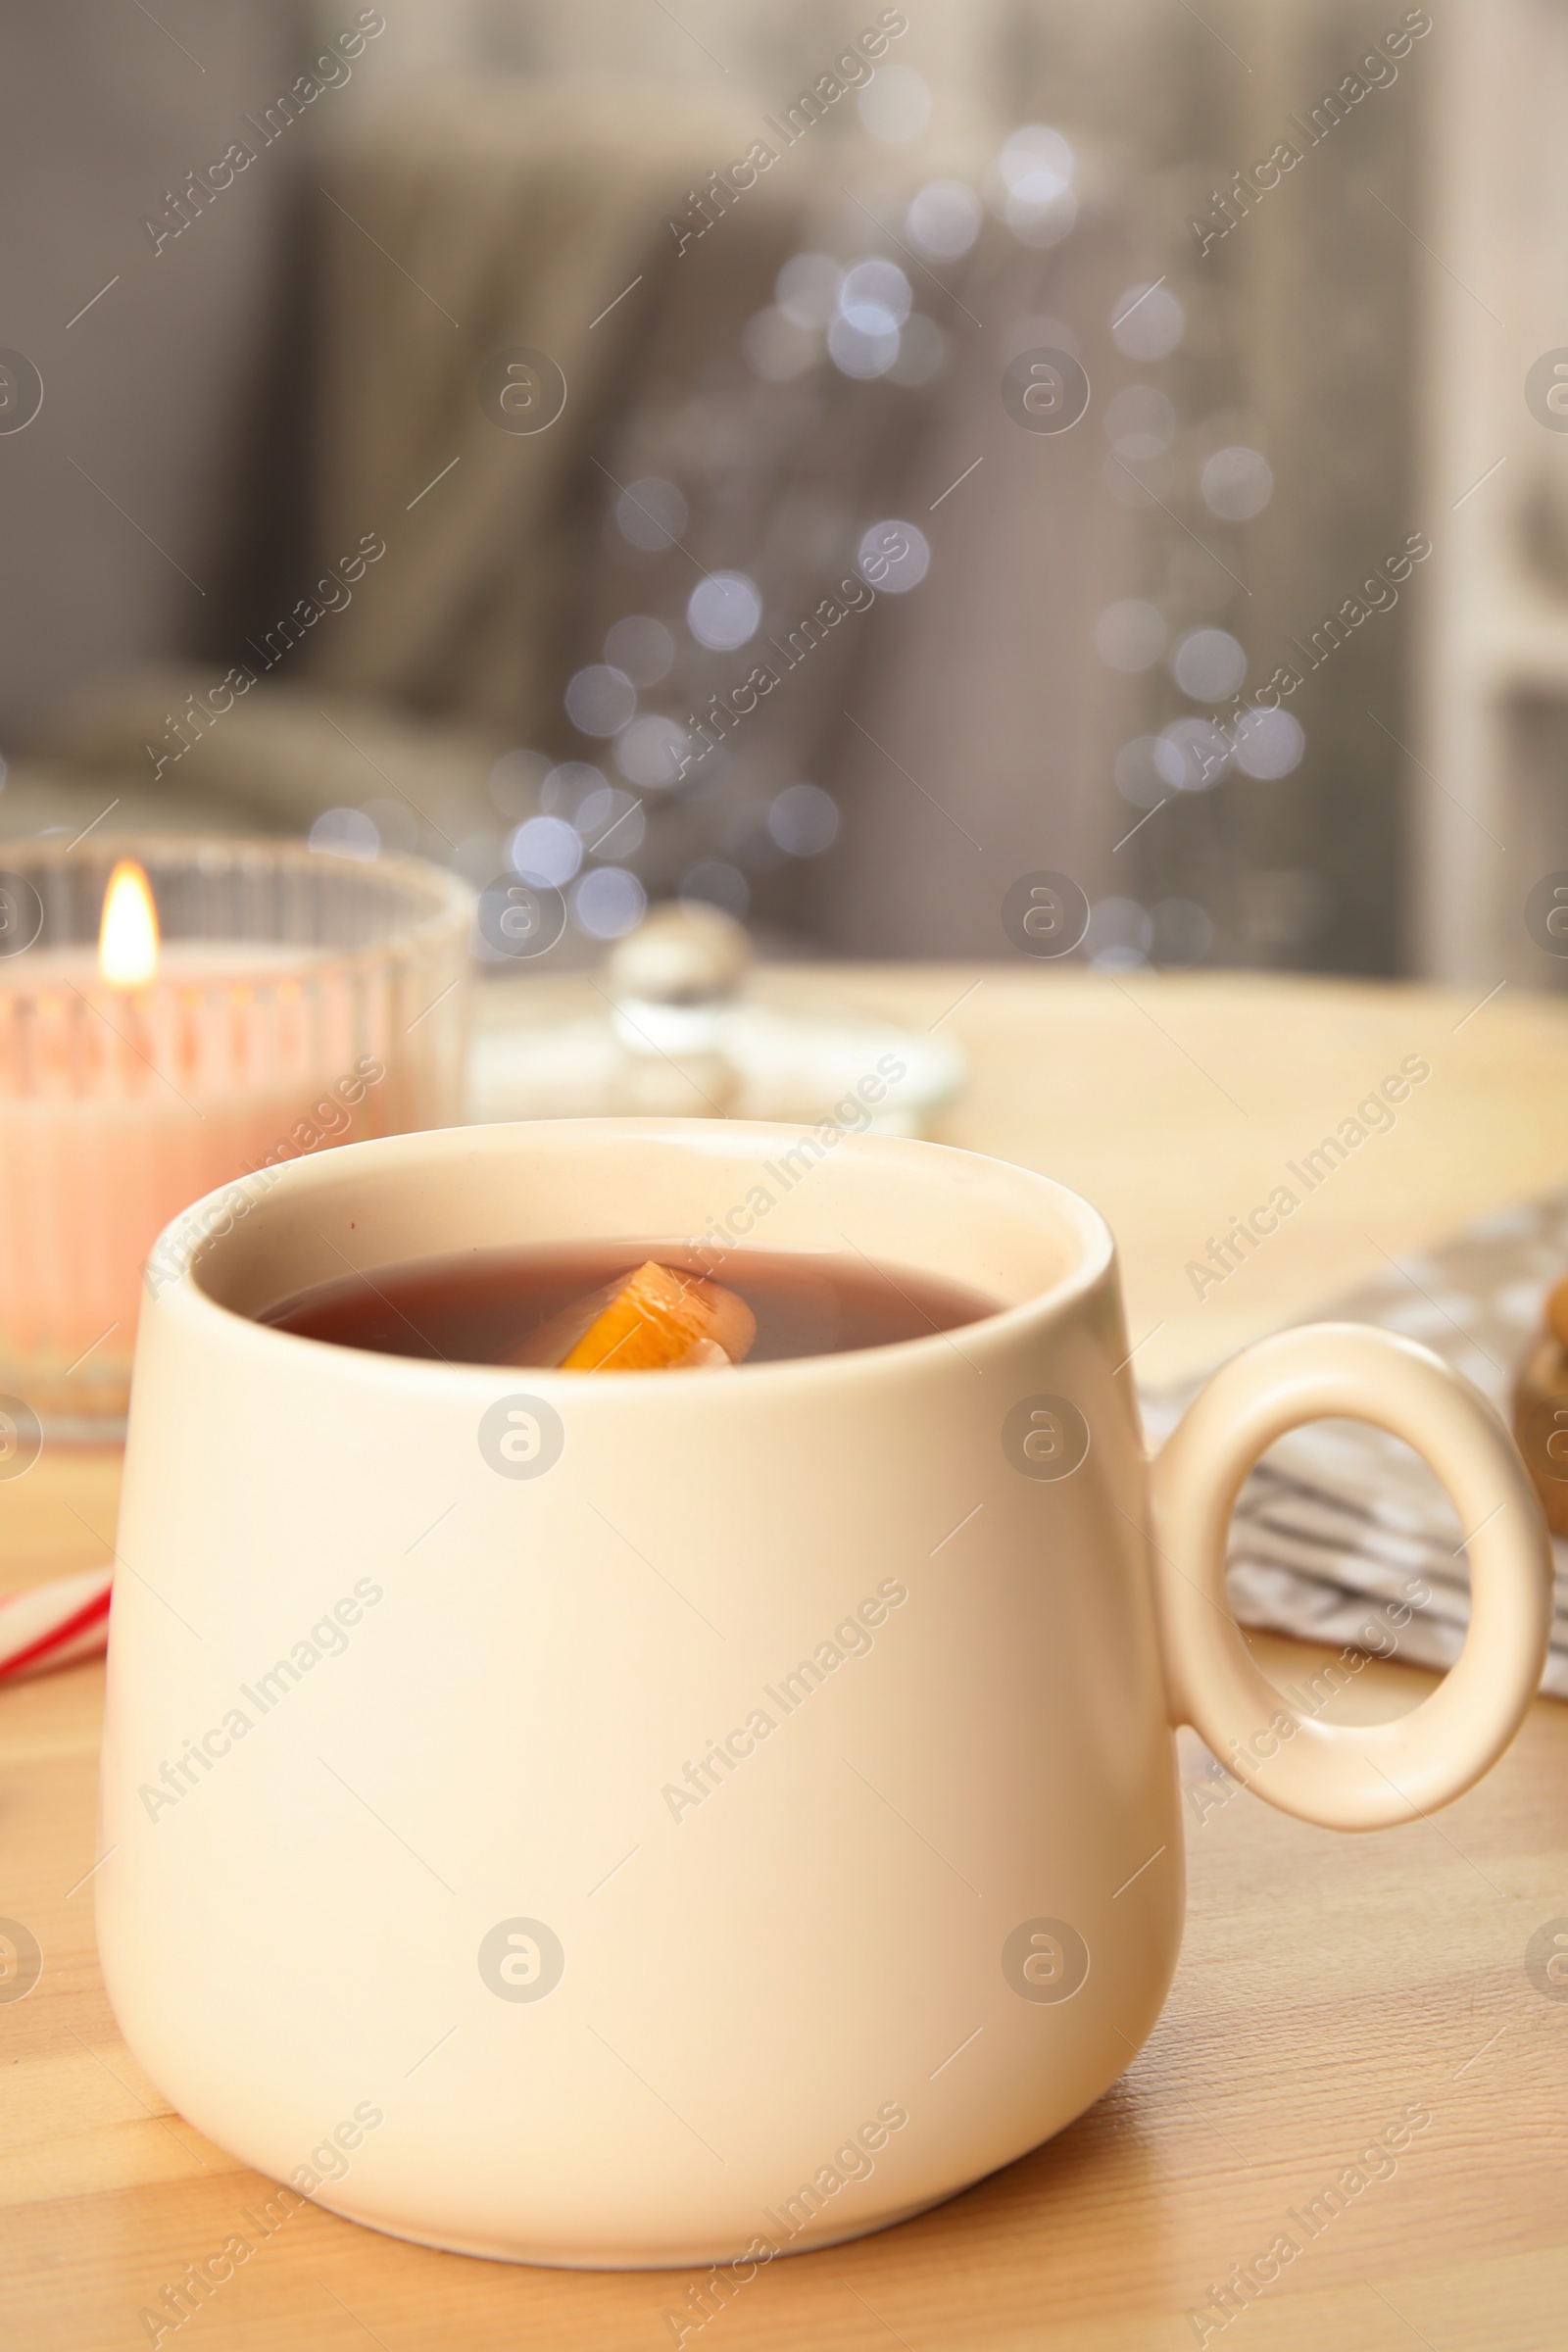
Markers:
point(480, 1309)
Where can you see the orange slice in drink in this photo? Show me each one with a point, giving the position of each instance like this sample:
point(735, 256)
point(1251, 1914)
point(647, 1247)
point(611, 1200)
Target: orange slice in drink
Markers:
point(655, 1319)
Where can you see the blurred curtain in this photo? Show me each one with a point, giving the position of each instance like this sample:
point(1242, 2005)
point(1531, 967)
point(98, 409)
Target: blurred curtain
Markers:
point(141, 489)
point(463, 223)
point(983, 696)
point(970, 730)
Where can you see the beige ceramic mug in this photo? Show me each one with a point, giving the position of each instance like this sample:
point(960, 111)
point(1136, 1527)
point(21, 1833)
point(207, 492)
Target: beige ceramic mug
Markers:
point(623, 1820)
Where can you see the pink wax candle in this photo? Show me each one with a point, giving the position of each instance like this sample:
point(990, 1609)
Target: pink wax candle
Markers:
point(140, 1075)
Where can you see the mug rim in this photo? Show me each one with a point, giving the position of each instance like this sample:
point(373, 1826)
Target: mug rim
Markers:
point(1093, 1246)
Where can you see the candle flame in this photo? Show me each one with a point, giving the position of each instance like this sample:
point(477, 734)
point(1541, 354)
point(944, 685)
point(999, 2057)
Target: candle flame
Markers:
point(128, 940)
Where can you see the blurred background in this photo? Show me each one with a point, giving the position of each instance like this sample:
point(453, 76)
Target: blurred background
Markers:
point(823, 462)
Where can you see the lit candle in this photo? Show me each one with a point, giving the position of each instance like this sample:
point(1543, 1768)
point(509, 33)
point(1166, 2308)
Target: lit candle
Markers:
point(286, 1016)
point(127, 936)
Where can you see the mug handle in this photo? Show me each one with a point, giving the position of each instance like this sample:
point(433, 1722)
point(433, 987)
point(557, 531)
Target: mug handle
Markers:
point(1350, 1776)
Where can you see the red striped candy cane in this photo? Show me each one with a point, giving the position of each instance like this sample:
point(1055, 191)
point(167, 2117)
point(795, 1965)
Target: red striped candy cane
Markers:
point(54, 1624)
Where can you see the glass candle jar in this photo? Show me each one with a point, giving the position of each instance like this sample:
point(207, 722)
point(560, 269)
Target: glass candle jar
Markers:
point(300, 1000)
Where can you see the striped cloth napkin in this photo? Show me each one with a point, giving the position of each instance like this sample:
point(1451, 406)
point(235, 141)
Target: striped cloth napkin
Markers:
point(1341, 1530)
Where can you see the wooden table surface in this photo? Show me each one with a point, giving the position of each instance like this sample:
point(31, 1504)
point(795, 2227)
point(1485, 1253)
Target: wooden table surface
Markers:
point(1326, 1982)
